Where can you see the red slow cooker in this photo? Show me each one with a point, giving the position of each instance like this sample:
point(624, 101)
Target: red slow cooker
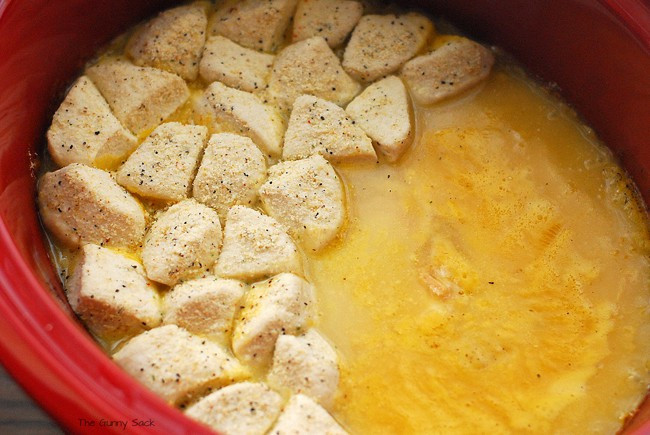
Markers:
point(597, 51)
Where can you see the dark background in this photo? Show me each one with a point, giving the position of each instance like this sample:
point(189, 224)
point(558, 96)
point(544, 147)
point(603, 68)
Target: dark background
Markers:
point(19, 414)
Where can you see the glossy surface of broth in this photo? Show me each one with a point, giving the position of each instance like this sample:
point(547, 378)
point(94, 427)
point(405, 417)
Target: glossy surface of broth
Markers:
point(495, 279)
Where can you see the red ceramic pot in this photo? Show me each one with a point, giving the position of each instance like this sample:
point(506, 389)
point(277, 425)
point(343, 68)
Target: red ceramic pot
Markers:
point(597, 51)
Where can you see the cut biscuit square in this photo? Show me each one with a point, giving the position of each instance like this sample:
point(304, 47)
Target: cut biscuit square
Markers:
point(280, 305)
point(255, 246)
point(305, 364)
point(310, 67)
point(178, 366)
point(447, 71)
point(164, 165)
point(182, 243)
point(255, 24)
point(80, 205)
point(307, 197)
point(235, 66)
point(111, 294)
point(381, 44)
point(331, 19)
point(140, 97)
point(231, 173)
point(382, 110)
point(204, 306)
point(84, 130)
point(245, 408)
point(172, 41)
point(317, 126)
point(235, 111)
point(302, 415)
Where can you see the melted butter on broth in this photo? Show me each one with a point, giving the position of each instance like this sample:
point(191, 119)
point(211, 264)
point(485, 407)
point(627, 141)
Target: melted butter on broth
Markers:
point(495, 279)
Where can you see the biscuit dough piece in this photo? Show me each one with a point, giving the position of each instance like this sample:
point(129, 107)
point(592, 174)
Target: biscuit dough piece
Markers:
point(177, 365)
point(318, 126)
point(255, 246)
point(140, 97)
point(84, 130)
point(204, 306)
point(245, 408)
point(172, 41)
point(235, 66)
point(164, 165)
point(310, 67)
point(382, 111)
point(243, 113)
point(302, 415)
point(231, 173)
point(111, 294)
point(256, 24)
point(280, 305)
point(331, 19)
point(183, 243)
point(307, 197)
point(381, 44)
point(307, 365)
point(447, 71)
point(80, 205)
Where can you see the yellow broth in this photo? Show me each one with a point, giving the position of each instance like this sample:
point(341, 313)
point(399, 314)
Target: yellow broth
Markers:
point(495, 279)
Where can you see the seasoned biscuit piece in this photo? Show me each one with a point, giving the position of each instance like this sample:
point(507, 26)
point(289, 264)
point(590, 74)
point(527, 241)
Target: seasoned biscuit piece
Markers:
point(280, 305)
point(111, 294)
point(177, 365)
point(381, 44)
point(164, 165)
point(245, 408)
point(306, 196)
point(141, 97)
point(231, 172)
point(382, 111)
point(234, 65)
point(456, 66)
point(306, 364)
point(302, 415)
point(256, 24)
point(80, 205)
point(310, 67)
point(255, 246)
point(172, 41)
point(183, 243)
point(243, 113)
point(204, 306)
point(84, 130)
point(318, 126)
point(331, 19)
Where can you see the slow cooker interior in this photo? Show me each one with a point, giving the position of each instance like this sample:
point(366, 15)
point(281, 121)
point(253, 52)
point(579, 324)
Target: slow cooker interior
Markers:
point(599, 64)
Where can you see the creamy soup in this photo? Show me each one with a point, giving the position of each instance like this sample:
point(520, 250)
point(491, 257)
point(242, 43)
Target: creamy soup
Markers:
point(495, 278)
